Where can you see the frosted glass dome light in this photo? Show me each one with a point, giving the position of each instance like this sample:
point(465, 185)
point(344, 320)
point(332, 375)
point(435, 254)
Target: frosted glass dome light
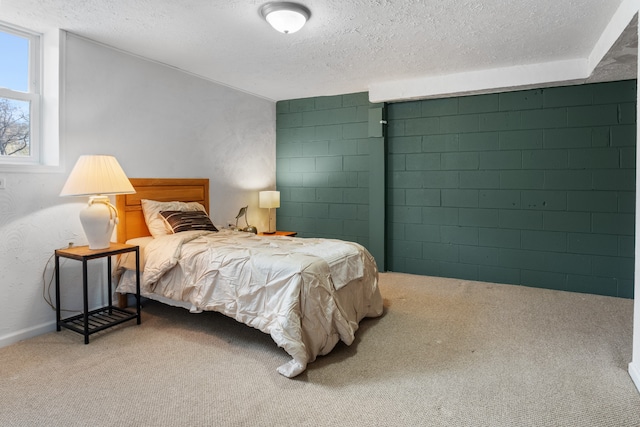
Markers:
point(285, 17)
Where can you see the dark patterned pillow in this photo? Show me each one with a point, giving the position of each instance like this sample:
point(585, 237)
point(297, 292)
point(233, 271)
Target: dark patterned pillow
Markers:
point(187, 220)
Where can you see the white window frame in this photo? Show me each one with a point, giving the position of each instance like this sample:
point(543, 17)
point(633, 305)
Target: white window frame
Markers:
point(33, 96)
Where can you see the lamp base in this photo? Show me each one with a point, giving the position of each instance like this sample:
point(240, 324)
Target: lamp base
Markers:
point(270, 230)
point(98, 220)
point(250, 229)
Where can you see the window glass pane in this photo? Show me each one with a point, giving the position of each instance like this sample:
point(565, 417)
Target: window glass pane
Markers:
point(15, 138)
point(14, 72)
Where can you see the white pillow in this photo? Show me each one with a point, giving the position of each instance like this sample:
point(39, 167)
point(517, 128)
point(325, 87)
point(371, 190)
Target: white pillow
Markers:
point(155, 223)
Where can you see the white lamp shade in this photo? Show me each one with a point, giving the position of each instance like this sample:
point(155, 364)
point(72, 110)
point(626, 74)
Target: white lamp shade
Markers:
point(96, 174)
point(285, 17)
point(269, 199)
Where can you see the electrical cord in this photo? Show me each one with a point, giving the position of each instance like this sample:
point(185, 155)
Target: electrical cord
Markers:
point(46, 287)
point(46, 290)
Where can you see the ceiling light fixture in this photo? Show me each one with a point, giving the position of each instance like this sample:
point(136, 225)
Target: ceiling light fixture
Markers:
point(285, 17)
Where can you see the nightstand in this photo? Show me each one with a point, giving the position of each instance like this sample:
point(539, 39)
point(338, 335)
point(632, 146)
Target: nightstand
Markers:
point(280, 233)
point(90, 322)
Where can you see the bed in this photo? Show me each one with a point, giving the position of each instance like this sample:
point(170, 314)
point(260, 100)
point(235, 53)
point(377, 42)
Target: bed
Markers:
point(307, 294)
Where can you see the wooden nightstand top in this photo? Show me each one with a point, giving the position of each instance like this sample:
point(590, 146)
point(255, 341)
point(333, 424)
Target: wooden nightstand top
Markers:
point(83, 252)
point(280, 233)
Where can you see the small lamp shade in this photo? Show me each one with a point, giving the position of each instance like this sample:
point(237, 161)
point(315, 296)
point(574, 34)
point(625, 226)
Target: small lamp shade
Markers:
point(269, 200)
point(97, 177)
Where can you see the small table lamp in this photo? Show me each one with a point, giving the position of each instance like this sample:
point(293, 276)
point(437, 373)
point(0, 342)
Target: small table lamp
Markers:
point(97, 177)
point(269, 199)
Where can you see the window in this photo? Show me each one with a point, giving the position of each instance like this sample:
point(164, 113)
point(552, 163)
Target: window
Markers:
point(20, 96)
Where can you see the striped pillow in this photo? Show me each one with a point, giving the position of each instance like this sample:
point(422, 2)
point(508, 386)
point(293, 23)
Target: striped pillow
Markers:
point(187, 220)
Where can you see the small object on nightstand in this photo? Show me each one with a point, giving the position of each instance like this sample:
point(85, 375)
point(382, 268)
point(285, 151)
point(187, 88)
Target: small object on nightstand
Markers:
point(90, 322)
point(248, 228)
point(280, 233)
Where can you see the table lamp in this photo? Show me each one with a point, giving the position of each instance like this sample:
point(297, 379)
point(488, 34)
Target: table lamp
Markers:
point(98, 177)
point(269, 199)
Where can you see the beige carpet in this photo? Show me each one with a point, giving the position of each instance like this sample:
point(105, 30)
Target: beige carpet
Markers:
point(446, 353)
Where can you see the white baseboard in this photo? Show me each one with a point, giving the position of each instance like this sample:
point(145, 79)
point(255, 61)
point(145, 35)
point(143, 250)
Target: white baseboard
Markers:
point(27, 333)
point(634, 371)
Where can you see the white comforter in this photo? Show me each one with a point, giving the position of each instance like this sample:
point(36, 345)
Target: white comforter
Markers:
point(306, 293)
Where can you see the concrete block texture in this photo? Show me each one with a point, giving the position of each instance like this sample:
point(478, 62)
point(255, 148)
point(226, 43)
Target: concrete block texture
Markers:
point(536, 187)
point(532, 187)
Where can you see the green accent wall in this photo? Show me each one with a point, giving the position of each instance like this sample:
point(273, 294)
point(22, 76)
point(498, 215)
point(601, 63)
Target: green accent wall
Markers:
point(377, 185)
point(322, 167)
point(532, 187)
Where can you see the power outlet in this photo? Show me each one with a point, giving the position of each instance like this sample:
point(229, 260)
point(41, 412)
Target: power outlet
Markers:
point(3, 183)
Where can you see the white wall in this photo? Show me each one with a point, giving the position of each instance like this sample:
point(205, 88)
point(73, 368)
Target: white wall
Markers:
point(158, 122)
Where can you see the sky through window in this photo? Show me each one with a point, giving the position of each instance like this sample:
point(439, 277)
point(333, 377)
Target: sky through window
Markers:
point(14, 66)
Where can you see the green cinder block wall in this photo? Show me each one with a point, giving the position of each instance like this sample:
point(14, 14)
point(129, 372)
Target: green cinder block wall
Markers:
point(322, 166)
point(532, 187)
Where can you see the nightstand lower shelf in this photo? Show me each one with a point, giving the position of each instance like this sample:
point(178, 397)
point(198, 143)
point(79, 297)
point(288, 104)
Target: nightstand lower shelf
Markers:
point(99, 320)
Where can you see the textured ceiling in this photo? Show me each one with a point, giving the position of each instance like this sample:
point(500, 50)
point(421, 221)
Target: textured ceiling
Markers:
point(346, 46)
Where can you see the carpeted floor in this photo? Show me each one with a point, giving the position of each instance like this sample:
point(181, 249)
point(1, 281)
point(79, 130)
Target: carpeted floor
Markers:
point(445, 353)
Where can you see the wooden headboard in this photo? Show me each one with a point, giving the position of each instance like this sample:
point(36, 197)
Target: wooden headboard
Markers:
point(131, 220)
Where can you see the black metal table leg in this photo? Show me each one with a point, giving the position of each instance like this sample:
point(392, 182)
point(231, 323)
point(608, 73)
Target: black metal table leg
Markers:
point(109, 284)
point(137, 251)
point(85, 290)
point(57, 267)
